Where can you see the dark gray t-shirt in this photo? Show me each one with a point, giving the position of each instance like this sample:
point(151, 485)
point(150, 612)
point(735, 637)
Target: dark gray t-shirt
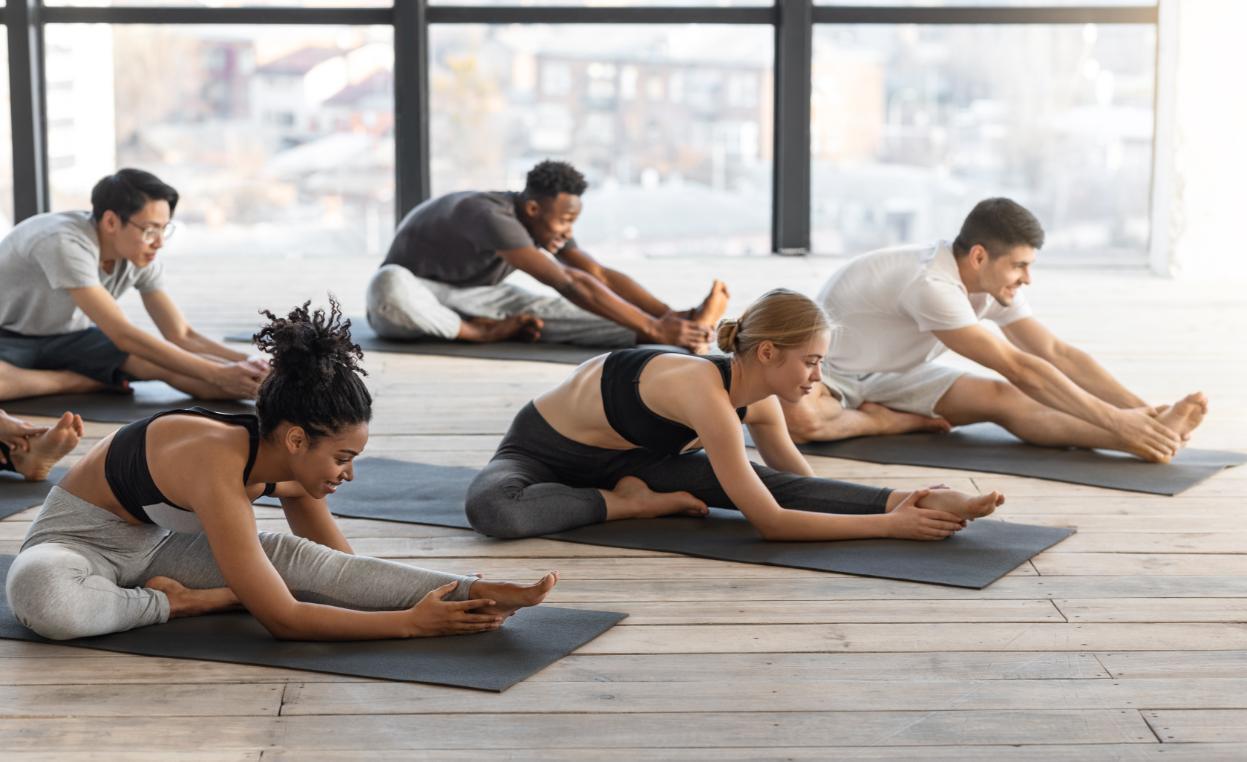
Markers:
point(455, 239)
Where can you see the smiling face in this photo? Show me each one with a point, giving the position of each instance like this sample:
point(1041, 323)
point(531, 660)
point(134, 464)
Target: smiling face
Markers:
point(126, 237)
point(792, 373)
point(321, 465)
point(549, 221)
point(1003, 276)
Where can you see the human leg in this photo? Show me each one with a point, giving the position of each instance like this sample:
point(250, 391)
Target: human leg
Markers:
point(974, 399)
point(61, 592)
point(561, 321)
point(314, 573)
point(821, 417)
point(404, 307)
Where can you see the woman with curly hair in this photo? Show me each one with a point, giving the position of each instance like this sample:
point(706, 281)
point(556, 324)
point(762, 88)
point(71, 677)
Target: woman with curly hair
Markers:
point(155, 521)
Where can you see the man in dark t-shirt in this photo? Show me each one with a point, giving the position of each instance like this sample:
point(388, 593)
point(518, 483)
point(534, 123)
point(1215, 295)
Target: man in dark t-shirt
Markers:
point(443, 276)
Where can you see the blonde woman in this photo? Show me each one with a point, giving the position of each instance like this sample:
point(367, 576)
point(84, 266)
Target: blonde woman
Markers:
point(639, 433)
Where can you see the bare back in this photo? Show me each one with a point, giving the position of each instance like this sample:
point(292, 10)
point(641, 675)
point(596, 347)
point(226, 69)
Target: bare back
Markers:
point(575, 408)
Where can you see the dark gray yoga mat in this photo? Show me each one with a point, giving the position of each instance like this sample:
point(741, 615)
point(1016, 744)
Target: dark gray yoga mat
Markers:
point(529, 641)
point(418, 493)
point(149, 398)
point(17, 494)
point(566, 354)
point(988, 447)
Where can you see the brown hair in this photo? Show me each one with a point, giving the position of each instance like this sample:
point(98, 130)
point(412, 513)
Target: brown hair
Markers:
point(784, 318)
point(998, 224)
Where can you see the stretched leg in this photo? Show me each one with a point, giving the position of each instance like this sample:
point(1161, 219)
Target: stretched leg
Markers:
point(59, 593)
point(514, 497)
point(972, 400)
point(314, 573)
point(16, 383)
point(693, 473)
point(146, 370)
point(561, 322)
point(820, 417)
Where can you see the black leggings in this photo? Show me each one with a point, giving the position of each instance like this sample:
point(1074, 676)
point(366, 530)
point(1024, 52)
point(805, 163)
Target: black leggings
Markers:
point(541, 482)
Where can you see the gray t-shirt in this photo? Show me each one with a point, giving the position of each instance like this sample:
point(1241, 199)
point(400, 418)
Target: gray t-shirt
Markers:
point(455, 239)
point(49, 253)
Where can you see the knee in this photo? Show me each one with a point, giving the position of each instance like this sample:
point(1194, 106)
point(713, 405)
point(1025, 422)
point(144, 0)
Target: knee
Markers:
point(805, 422)
point(40, 589)
point(493, 506)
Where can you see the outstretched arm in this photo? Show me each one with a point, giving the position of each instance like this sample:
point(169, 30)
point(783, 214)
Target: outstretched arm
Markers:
point(1043, 382)
point(587, 292)
point(173, 326)
point(229, 525)
point(714, 420)
point(621, 284)
point(310, 517)
point(103, 310)
point(1029, 335)
point(770, 435)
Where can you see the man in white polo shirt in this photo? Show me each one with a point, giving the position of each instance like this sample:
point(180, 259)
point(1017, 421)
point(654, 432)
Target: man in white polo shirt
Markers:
point(895, 311)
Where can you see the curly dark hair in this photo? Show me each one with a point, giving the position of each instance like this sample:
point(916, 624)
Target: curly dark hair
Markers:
point(315, 380)
point(550, 178)
point(998, 224)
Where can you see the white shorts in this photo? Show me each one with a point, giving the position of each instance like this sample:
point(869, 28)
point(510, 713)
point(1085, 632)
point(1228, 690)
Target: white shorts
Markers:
point(913, 391)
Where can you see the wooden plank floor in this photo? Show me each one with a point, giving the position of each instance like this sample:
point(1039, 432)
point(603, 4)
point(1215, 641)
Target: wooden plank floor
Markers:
point(1125, 642)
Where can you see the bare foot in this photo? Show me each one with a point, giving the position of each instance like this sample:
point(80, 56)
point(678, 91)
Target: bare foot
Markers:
point(963, 505)
point(892, 421)
point(711, 309)
point(524, 327)
point(186, 601)
point(45, 450)
point(633, 499)
point(1186, 414)
point(509, 597)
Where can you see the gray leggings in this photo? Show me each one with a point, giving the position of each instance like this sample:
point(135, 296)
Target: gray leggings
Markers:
point(540, 482)
point(81, 569)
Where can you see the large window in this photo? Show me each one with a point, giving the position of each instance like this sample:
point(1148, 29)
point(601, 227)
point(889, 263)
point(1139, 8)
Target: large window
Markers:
point(914, 124)
point(280, 139)
point(671, 124)
point(6, 140)
point(711, 127)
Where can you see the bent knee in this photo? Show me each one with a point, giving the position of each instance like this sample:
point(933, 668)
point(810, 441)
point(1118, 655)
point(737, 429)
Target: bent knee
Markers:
point(41, 590)
point(493, 508)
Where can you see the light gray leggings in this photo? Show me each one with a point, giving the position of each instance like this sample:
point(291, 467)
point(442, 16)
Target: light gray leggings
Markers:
point(404, 307)
point(81, 568)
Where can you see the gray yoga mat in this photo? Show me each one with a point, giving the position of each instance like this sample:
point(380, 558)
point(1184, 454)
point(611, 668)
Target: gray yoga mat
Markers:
point(17, 494)
point(418, 493)
point(363, 335)
point(149, 398)
point(988, 447)
point(529, 641)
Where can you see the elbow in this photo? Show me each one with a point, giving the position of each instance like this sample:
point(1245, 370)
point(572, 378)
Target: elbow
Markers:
point(772, 530)
point(576, 288)
point(283, 625)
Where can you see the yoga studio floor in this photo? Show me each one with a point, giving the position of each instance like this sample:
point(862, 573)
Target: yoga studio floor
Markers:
point(1123, 642)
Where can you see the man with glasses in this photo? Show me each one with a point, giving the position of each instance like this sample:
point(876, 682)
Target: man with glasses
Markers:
point(61, 329)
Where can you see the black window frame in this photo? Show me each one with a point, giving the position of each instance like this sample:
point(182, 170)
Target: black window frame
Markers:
point(793, 22)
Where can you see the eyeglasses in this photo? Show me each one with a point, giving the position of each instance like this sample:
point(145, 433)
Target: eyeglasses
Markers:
point(152, 232)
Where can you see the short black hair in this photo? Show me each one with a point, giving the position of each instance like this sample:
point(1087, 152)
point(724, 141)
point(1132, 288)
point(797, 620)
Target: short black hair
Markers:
point(127, 191)
point(998, 224)
point(315, 379)
point(550, 178)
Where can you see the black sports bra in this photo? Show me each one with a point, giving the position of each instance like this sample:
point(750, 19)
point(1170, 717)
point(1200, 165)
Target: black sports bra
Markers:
point(628, 414)
point(125, 469)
